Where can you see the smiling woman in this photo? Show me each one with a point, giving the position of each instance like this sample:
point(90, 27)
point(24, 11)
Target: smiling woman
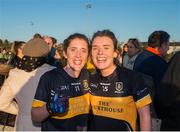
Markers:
point(62, 101)
point(116, 93)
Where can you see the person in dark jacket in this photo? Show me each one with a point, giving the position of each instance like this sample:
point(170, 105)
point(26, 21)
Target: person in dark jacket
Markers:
point(168, 95)
point(152, 64)
point(151, 61)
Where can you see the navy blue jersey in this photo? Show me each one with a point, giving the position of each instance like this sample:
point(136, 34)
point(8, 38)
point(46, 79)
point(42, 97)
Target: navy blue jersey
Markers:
point(116, 98)
point(58, 81)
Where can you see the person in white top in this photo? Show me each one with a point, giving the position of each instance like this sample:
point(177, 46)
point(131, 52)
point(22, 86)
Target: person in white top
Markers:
point(134, 49)
point(22, 82)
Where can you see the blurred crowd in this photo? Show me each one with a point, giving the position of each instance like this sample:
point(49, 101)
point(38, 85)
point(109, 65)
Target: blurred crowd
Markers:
point(152, 78)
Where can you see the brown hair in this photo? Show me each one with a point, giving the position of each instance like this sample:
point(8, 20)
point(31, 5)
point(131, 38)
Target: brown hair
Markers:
point(16, 45)
point(106, 33)
point(157, 38)
point(135, 42)
point(111, 35)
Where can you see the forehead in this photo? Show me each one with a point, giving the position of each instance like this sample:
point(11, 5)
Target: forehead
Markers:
point(78, 42)
point(23, 45)
point(130, 44)
point(102, 41)
point(46, 38)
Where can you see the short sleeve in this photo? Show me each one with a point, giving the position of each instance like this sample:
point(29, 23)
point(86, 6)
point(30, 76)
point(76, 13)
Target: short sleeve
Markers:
point(140, 90)
point(42, 92)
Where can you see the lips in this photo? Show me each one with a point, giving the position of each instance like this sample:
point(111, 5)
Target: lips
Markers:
point(101, 59)
point(77, 62)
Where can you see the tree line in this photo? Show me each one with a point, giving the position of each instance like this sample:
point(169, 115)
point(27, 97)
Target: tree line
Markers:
point(5, 44)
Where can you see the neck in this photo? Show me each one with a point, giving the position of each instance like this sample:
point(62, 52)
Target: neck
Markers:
point(109, 71)
point(71, 71)
point(20, 55)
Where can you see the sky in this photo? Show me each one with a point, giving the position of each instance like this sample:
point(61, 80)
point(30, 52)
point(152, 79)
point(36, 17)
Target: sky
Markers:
point(21, 19)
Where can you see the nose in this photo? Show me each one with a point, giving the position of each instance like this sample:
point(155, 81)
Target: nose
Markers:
point(100, 51)
point(78, 54)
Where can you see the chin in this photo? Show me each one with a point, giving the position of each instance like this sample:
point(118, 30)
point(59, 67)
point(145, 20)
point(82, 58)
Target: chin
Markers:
point(101, 67)
point(77, 68)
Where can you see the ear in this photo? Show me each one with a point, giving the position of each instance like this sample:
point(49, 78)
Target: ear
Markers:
point(115, 54)
point(64, 54)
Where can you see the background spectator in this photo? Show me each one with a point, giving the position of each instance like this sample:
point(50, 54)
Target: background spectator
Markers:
point(168, 96)
point(134, 49)
point(17, 55)
point(22, 82)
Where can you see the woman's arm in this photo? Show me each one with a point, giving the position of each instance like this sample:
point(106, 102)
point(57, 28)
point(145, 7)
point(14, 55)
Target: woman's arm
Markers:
point(39, 114)
point(7, 103)
point(145, 118)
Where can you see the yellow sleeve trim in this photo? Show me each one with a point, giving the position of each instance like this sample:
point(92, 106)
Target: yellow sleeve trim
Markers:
point(144, 101)
point(37, 103)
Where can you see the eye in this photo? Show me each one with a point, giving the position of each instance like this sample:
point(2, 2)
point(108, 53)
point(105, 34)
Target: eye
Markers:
point(106, 48)
point(84, 50)
point(72, 49)
point(129, 47)
point(94, 48)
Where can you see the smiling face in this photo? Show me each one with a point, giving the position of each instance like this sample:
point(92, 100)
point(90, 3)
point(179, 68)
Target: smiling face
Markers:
point(103, 54)
point(76, 55)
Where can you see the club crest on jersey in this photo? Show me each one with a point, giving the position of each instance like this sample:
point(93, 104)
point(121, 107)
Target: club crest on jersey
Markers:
point(119, 87)
point(85, 84)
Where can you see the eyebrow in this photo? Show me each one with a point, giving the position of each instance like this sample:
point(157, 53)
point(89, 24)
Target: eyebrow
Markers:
point(76, 47)
point(105, 45)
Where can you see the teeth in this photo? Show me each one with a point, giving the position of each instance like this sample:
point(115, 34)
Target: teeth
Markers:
point(77, 62)
point(101, 59)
